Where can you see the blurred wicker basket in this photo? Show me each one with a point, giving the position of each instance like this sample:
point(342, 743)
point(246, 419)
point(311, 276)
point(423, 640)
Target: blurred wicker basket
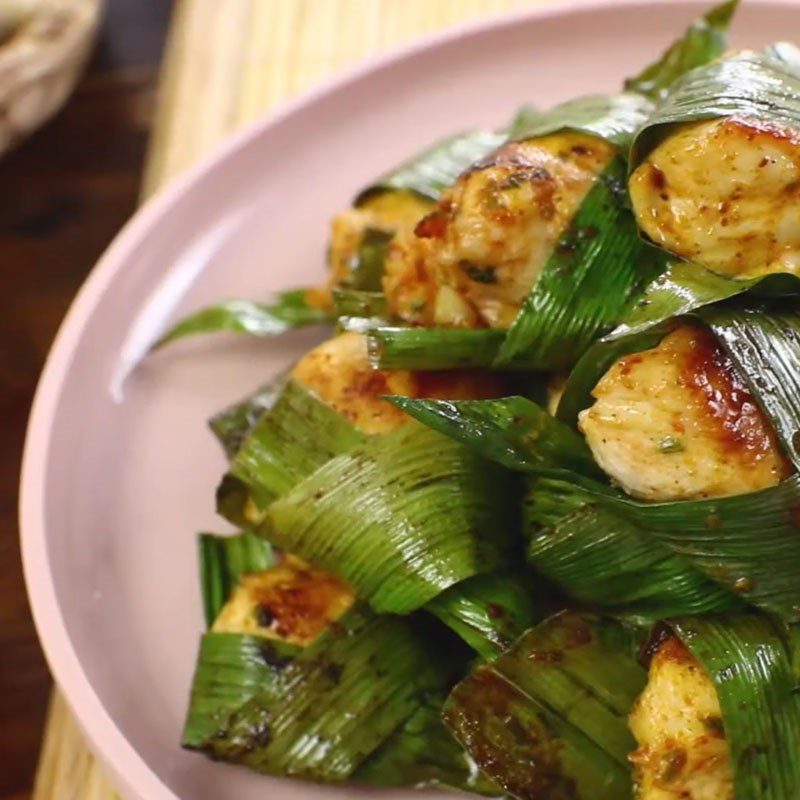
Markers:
point(41, 60)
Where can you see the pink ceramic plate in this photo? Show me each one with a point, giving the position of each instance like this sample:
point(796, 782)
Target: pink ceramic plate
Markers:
point(119, 468)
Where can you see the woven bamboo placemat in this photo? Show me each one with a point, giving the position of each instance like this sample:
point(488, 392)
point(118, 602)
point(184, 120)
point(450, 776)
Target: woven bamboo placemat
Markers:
point(227, 61)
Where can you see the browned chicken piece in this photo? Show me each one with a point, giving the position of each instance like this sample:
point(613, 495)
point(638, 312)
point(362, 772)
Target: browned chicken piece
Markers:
point(392, 212)
point(339, 373)
point(726, 194)
point(677, 723)
point(290, 602)
point(678, 422)
point(385, 214)
point(474, 259)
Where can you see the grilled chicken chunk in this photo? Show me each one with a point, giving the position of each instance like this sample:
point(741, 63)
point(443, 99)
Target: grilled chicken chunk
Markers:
point(389, 212)
point(291, 602)
point(726, 194)
point(677, 723)
point(678, 422)
point(339, 373)
point(474, 259)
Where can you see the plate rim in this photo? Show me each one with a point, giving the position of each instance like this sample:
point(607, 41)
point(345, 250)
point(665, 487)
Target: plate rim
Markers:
point(132, 776)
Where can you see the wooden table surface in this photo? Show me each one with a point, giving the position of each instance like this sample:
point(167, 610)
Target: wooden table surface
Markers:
point(63, 195)
point(68, 190)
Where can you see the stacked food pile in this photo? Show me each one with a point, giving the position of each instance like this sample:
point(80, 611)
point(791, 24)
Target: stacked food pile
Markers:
point(529, 523)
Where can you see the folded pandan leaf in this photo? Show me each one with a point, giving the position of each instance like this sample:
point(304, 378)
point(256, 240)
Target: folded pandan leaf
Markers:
point(423, 754)
point(358, 304)
point(600, 560)
point(746, 543)
point(613, 117)
point(401, 518)
point(434, 169)
point(760, 86)
point(764, 345)
point(749, 663)
point(289, 310)
point(513, 431)
point(319, 712)
point(489, 612)
point(703, 41)
point(548, 499)
point(685, 287)
point(231, 669)
point(232, 424)
point(298, 435)
point(337, 701)
point(223, 562)
point(548, 718)
point(396, 347)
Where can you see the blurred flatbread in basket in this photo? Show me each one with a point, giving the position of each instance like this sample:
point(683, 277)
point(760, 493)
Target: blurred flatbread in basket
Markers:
point(44, 46)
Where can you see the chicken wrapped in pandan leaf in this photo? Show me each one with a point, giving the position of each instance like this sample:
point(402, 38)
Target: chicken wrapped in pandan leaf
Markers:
point(291, 602)
point(330, 402)
point(331, 445)
point(716, 170)
point(679, 422)
point(473, 260)
point(718, 394)
point(393, 205)
point(719, 718)
point(288, 639)
point(539, 225)
point(248, 588)
point(716, 459)
point(547, 720)
point(470, 259)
